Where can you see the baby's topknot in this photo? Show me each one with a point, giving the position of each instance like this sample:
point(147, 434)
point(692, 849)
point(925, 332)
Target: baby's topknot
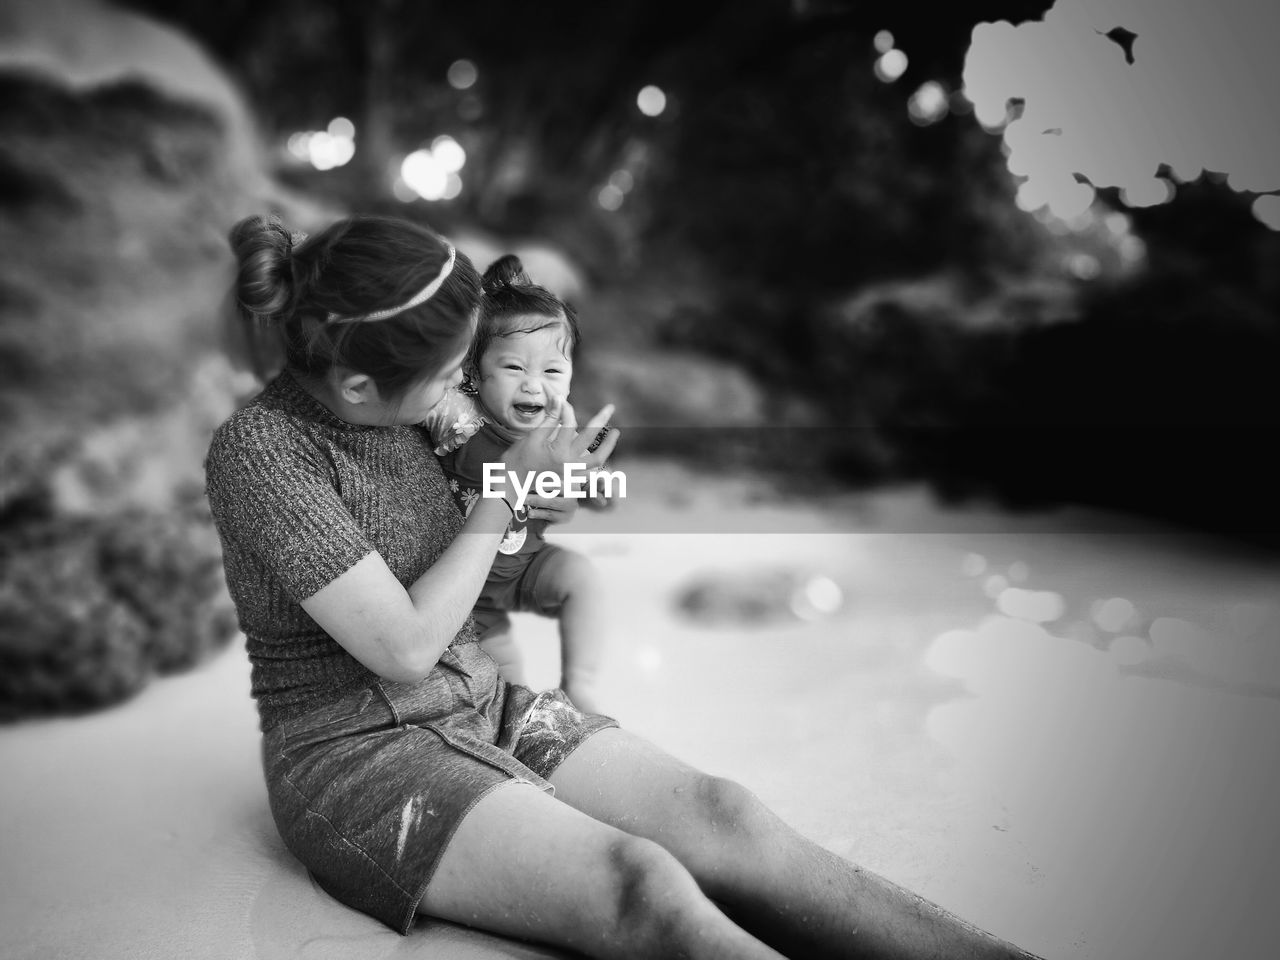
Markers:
point(506, 271)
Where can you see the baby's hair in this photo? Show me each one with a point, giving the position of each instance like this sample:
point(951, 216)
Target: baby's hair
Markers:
point(288, 293)
point(513, 304)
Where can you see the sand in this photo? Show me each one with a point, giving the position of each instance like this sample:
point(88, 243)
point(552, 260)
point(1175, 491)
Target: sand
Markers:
point(1067, 737)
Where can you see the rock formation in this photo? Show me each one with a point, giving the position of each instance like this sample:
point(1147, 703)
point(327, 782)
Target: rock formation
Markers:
point(124, 158)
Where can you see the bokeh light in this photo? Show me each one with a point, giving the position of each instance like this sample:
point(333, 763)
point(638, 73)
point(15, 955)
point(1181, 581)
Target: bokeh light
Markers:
point(1267, 209)
point(448, 153)
point(929, 103)
point(402, 191)
point(462, 74)
point(324, 149)
point(1113, 615)
point(327, 151)
point(424, 175)
point(817, 597)
point(1118, 223)
point(890, 65)
point(610, 197)
point(1084, 266)
point(883, 41)
point(1132, 249)
point(342, 128)
point(1037, 606)
point(433, 174)
point(651, 101)
point(622, 180)
point(1150, 192)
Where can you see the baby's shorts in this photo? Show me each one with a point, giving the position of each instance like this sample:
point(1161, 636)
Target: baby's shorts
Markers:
point(368, 789)
point(538, 587)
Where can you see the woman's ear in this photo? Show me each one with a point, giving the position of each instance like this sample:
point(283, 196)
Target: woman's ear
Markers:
point(357, 388)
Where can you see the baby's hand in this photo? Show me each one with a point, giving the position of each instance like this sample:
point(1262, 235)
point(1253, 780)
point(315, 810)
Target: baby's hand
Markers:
point(599, 493)
point(599, 437)
point(601, 500)
point(557, 442)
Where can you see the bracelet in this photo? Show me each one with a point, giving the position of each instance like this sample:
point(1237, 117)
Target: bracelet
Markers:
point(518, 514)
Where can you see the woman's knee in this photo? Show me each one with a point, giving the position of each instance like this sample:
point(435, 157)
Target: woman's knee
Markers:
point(728, 837)
point(726, 806)
point(655, 903)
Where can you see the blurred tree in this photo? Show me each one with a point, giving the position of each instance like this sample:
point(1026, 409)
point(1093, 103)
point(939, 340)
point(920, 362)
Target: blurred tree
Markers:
point(549, 107)
point(112, 201)
point(801, 179)
point(782, 184)
point(553, 109)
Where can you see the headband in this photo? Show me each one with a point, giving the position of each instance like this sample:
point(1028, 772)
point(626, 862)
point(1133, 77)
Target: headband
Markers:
point(422, 296)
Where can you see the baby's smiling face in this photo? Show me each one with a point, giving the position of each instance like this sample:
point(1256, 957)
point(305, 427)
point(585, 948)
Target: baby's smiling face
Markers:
point(521, 374)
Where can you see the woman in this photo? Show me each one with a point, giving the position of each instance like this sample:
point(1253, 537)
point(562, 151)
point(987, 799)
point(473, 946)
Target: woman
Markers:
point(401, 770)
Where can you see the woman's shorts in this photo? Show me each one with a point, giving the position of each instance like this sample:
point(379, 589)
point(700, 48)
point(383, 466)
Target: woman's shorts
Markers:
point(367, 790)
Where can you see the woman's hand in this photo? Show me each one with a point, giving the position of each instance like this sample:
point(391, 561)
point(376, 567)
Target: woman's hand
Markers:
point(558, 442)
point(551, 509)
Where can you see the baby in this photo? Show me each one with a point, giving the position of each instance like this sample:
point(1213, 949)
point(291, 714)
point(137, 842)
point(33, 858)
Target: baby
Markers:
point(521, 360)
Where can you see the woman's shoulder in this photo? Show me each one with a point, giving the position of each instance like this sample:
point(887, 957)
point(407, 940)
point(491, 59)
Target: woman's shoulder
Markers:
point(260, 432)
point(262, 453)
point(253, 425)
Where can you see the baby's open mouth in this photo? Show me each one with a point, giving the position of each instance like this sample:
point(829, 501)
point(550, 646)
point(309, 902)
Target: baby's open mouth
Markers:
point(528, 409)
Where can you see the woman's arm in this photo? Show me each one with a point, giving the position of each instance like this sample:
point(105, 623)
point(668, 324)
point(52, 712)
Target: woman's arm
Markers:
point(400, 633)
point(397, 633)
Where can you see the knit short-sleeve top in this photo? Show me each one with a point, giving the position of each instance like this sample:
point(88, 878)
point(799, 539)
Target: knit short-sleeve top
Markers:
point(299, 496)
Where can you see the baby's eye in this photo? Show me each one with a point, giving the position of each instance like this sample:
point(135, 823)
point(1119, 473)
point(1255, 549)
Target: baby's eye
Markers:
point(556, 371)
point(512, 366)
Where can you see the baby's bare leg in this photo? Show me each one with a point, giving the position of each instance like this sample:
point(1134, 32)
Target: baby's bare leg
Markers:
point(583, 634)
point(501, 645)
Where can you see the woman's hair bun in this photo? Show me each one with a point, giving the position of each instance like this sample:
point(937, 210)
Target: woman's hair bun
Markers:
point(263, 248)
point(506, 271)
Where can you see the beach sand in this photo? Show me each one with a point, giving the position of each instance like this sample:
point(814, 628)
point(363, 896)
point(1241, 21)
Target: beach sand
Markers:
point(1061, 727)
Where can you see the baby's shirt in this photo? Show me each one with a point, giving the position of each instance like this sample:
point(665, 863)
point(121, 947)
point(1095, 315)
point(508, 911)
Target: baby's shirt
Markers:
point(464, 466)
point(465, 440)
point(453, 421)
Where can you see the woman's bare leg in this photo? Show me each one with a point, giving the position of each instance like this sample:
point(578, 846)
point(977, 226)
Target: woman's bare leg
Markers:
point(799, 897)
point(525, 865)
